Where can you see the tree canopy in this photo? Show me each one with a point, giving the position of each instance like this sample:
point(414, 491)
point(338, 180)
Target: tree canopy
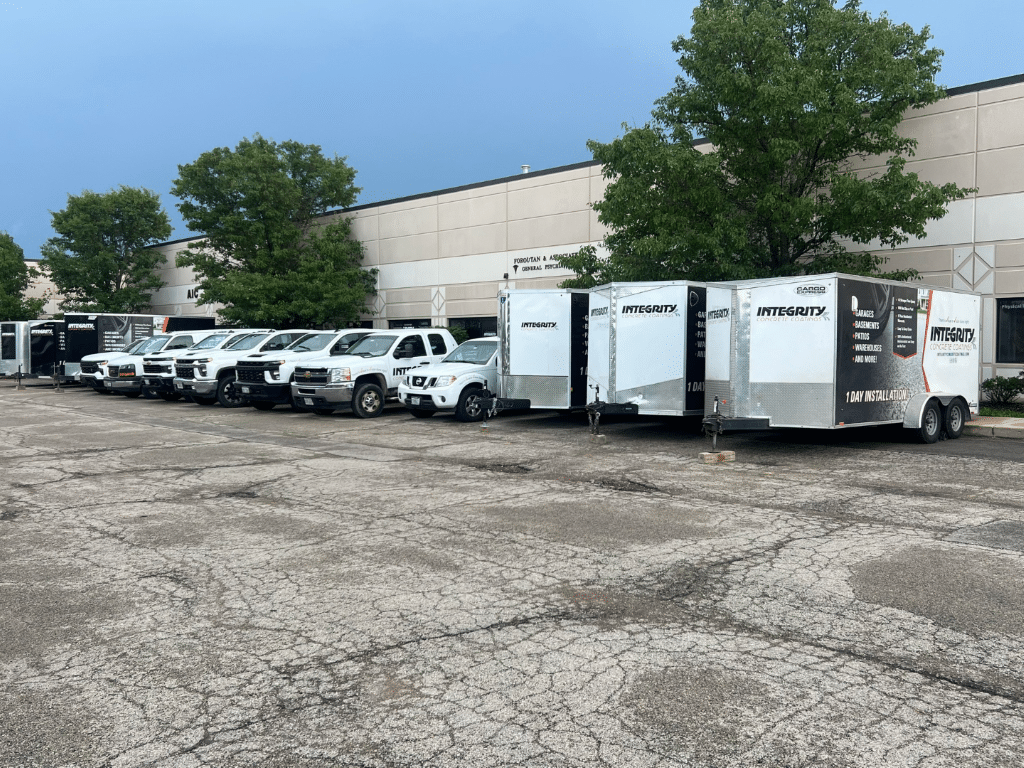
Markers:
point(100, 260)
point(789, 95)
point(15, 276)
point(267, 254)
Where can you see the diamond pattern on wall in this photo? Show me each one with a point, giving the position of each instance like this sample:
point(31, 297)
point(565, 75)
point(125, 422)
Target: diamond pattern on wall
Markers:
point(973, 268)
point(437, 305)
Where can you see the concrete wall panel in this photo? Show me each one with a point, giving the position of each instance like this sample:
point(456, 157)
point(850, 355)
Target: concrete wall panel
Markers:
point(549, 230)
point(999, 124)
point(413, 248)
point(413, 221)
point(472, 307)
point(1000, 218)
point(930, 260)
point(1010, 282)
point(1001, 171)
point(942, 134)
point(472, 212)
point(561, 197)
point(1010, 255)
point(470, 240)
point(486, 290)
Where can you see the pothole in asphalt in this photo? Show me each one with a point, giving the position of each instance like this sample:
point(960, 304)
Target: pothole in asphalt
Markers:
point(625, 484)
point(505, 469)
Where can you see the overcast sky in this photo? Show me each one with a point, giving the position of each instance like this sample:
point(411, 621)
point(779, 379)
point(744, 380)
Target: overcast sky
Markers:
point(420, 96)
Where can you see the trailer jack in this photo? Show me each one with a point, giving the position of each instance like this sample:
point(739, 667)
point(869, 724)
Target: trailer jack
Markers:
point(714, 425)
point(599, 407)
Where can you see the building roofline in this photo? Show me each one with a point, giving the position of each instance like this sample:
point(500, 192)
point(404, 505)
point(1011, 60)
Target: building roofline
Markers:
point(985, 85)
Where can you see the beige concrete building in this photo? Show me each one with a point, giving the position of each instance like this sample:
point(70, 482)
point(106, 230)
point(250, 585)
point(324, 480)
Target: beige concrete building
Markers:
point(444, 255)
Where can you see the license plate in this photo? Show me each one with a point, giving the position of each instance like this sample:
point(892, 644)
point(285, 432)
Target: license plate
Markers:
point(307, 400)
point(121, 383)
point(414, 400)
point(245, 390)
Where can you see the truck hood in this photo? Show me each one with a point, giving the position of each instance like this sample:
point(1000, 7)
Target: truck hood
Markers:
point(112, 357)
point(450, 369)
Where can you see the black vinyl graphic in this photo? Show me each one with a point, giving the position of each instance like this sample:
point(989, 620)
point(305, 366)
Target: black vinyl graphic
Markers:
point(878, 365)
point(579, 340)
point(696, 346)
point(44, 348)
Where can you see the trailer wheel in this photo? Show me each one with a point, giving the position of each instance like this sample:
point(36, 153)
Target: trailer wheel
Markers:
point(419, 413)
point(931, 423)
point(261, 405)
point(368, 401)
point(227, 393)
point(170, 397)
point(469, 408)
point(956, 417)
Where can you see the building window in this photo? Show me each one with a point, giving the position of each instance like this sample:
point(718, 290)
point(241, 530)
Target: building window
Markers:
point(408, 324)
point(1010, 331)
point(476, 326)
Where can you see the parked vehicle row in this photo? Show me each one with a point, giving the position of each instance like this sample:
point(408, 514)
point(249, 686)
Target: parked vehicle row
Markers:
point(317, 371)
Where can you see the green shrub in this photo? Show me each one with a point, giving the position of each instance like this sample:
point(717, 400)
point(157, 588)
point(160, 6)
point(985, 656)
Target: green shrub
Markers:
point(1001, 390)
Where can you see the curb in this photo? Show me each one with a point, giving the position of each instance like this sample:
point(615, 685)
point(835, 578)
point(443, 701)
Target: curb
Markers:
point(986, 430)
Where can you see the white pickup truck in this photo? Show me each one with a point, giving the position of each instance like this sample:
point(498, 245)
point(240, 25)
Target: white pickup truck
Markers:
point(93, 367)
point(124, 376)
point(263, 379)
point(158, 370)
point(208, 376)
point(454, 384)
point(369, 373)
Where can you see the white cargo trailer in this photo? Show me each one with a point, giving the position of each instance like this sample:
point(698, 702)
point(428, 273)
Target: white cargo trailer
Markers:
point(543, 338)
point(834, 351)
point(647, 346)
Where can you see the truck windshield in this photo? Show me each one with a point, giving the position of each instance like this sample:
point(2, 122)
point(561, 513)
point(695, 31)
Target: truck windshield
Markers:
point(210, 342)
point(372, 346)
point(152, 344)
point(134, 346)
point(476, 352)
point(313, 343)
point(246, 341)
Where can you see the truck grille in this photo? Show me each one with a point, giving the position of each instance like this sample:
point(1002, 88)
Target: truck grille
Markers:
point(423, 382)
point(185, 371)
point(90, 368)
point(121, 370)
point(310, 375)
point(253, 372)
point(152, 368)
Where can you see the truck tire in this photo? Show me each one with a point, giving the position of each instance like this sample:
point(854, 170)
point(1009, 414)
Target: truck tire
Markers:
point(133, 395)
point(323, 411)
point(468, 407)
point(202, 400)
point(228, 394)
point(956, 418)
point(170, 397)
point(260, 405)
point(368, 401)
point(419, 413)
point(931, 423)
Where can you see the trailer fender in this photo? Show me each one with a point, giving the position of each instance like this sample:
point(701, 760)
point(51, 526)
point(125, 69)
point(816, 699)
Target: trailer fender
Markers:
point(916, 406)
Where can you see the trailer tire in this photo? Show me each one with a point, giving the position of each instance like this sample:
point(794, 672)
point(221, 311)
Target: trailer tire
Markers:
point(956, 418)
point(931, 423)
point(419, 413)
point(170, 397)
point(468, 407)
point(368, 401)
point(261, 405)
point(227, 393)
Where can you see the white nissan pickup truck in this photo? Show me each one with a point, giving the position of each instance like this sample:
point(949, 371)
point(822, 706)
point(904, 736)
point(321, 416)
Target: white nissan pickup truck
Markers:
point(370, 373)
point(454, 384)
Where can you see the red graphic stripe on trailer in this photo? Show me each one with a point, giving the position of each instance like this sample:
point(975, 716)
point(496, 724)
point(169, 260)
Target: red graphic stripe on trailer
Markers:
point(166, 321)
point(924, 346)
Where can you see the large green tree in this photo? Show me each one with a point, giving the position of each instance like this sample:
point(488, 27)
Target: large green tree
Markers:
point(789, 95)
point(267, 254)
point(100, 260)
point(15, 276)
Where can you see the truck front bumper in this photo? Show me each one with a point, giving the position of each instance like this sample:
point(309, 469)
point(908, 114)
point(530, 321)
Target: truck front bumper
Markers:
point(264, 393)
point(437, 399)
point(328, 396)
point(204, 387)
point(123, 386)
point(159, 383)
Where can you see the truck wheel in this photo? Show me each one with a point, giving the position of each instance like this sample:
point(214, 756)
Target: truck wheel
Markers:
point(132, 395)
point(262, 406)
point(323, 411)
point(170, 397)
point(931, 423)
point(149, 394)
point(956, 417)
point(201, 400)
point(419, 413)
point(368, 401)
point(228, 394)
point(469, 408)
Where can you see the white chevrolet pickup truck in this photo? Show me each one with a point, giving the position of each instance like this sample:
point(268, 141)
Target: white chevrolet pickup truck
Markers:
point(370, 373)
point(208, 376)
point(93, 367)
point(263, 379)
point(126, 376)
point(454, 384)
point(158, 370)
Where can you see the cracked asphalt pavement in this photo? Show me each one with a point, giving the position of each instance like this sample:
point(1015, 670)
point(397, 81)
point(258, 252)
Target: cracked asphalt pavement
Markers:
point(187, 586)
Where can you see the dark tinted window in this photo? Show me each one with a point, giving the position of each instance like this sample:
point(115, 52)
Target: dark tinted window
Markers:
point(1010, 330)
point(180, 342)
point(411, 346)
point(437, 346)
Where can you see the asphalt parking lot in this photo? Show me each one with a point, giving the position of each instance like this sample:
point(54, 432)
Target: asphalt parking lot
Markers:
point(195, 586)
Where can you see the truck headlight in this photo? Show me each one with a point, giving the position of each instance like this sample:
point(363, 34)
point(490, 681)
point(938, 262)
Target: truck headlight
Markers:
point(445, 381)
point(201, 369)
point(338, 375)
